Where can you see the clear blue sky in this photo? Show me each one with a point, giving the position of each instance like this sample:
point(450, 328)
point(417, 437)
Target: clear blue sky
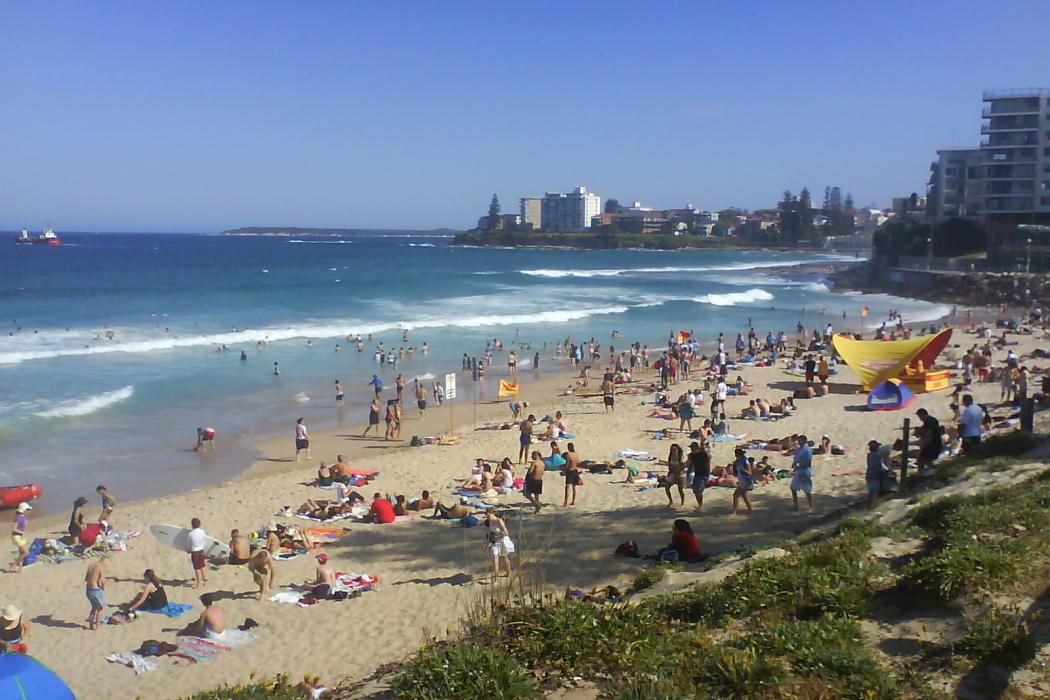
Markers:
point(198, 116)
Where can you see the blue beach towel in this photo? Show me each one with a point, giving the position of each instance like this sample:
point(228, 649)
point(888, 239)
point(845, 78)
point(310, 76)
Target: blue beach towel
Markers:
point(172, 610)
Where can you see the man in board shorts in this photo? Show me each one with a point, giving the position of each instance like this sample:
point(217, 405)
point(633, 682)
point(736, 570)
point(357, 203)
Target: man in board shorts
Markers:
point(534, 481)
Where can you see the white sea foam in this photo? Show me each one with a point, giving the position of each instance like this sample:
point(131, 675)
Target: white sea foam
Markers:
point(736, 298)
point(422, 245)
point(816, 287)
point(331, 329)
point(83, 407)
point(614, 272)
point(338, 241)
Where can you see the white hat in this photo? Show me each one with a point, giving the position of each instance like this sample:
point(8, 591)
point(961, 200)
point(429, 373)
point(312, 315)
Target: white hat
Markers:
point(23, 507)
point(11, 616)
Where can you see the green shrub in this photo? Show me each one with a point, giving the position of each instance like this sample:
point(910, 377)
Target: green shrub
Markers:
point(998, 636)
point(1007, 444)
point(966, 567)
point(832, 576)
point(575, 637)
point(651, 575)
point(276, 688)
point(464, 670)
point(739, 673)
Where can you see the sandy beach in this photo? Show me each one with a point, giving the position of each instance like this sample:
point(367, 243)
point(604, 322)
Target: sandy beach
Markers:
point(430, 571)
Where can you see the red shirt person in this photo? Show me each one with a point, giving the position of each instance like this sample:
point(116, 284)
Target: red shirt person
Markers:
point(382, 511)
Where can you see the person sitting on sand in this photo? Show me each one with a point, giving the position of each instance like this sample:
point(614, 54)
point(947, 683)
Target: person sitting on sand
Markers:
point(452, 512)
point(763, 407)
point(479, 482)
point(77, 521)
point(750, 412)
point(340, 470)
point(324, 579)
point(424, 502)
point(559, 420)
point(505, 477)
point(382, 511)
point(683, 544)
point(212, 622)
point(262, 566)
point(151, 596)
point(719, 426)
point(13, 630)
point(762, 471)
point(707, 430)
point(324, 476)
point(240, 548)
point(741, 386)
point(400, 506)
point(725, 475)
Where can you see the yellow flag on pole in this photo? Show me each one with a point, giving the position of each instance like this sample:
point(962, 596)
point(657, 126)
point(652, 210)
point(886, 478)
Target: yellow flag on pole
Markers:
point(507, 388)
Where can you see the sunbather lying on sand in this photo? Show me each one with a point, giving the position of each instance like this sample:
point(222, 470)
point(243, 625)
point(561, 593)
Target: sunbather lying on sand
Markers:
point(324, 510)
point(453, 512)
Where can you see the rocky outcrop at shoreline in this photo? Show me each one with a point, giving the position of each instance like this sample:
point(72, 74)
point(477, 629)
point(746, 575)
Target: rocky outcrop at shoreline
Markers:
point(968, 289)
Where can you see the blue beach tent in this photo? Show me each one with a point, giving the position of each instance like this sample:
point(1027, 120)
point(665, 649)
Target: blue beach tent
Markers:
point(24, 678)
point(890, 395)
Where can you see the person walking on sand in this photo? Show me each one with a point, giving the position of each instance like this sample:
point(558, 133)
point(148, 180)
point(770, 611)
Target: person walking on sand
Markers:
point(534, 481)
point(571, 470)
point(421, 399)
point(388, 418)
point(18, 535)
point(195, 546)
point(95, 590)
point(675, 464)
point(500, 544)
point(108, 503)
point(700, 465)
point(302, 439)
point(745, 480)
point(608, 394)
point(373, 417)
point(802, 479)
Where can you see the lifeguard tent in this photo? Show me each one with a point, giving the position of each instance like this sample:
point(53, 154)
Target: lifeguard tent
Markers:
point(890, 395)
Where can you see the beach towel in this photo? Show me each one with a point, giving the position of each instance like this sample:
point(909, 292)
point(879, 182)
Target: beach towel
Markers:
point(171, 610)
point(325, 535)
point(849, 473)
point(639, 455)
point(132, 660)
point(198, 649)
point(291, 554)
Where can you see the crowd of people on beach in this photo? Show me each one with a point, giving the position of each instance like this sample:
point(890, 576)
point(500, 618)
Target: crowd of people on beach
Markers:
point(681, 382)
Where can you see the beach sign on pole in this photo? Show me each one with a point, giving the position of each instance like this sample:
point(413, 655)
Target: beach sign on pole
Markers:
point(450, 386)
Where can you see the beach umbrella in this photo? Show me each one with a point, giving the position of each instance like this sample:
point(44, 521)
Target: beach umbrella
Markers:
point(24, 678)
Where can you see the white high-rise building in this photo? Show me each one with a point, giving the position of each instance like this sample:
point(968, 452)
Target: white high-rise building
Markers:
point(569, 212)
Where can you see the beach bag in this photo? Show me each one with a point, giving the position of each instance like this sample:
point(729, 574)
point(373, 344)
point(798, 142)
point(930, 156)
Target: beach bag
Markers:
point(469, 521)
point(416, 442)
point(627, 548)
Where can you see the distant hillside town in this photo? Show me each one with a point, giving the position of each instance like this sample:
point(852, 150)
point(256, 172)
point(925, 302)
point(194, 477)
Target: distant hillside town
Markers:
point(794, 221)
point(984, 207)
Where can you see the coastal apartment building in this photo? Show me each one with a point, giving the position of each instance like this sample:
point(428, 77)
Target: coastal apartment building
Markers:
point(532, 212)
point(567, 212)
point(1016, 156)
point(955, 184)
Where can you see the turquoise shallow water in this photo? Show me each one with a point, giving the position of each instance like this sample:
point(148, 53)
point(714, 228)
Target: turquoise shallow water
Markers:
point(78, 408)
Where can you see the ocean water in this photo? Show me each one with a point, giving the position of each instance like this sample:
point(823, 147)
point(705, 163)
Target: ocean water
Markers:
point(78, 407)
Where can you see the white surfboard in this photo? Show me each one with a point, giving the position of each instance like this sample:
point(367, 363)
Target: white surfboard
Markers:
point(178, 538)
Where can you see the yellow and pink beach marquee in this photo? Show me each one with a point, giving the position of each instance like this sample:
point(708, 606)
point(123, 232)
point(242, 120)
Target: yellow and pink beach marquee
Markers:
point(875, 361)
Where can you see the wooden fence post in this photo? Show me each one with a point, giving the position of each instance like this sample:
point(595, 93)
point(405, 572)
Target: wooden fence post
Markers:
point(904, 453)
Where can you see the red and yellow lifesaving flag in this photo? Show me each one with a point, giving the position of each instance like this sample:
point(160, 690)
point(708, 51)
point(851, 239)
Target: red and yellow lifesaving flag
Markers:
point(507, 388)
point(864, 310)
point(684, 336)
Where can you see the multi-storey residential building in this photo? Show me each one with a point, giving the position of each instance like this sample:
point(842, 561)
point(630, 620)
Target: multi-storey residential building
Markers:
point(532, 211)
point(1016, 156)
point(573, 211)
point(955, 187)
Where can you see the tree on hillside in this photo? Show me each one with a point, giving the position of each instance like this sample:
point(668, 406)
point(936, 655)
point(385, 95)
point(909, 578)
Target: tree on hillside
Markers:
point(805, 215)
point(494, 210)
point(788, 221)
point(612, 206)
